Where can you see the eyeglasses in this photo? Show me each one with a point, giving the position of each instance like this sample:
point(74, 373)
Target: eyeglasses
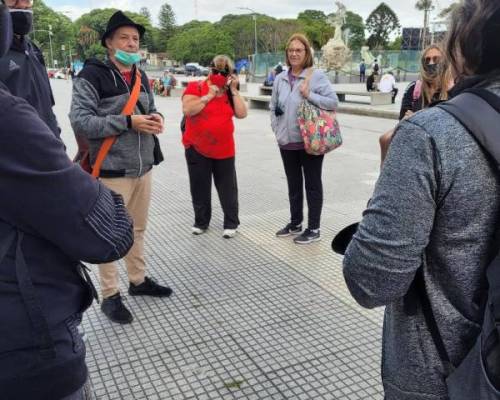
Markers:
point(222, 72)
point(298, 51)
point(434, 60)
point(16, 3)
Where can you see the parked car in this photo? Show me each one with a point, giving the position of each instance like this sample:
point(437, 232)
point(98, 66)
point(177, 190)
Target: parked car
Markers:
point(204, 70)
point(60, 74)
point(192, 69)
point(51, 72)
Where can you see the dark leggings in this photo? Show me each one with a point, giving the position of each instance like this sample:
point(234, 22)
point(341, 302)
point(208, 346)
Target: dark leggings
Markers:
point(201, 169)
point(300, 166)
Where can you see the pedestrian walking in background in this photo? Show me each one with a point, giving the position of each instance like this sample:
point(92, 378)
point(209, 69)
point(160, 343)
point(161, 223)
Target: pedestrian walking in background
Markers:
point(209, 107)
point(100, 92)
point(288, 92)
point(362, 71)
point(428, 234)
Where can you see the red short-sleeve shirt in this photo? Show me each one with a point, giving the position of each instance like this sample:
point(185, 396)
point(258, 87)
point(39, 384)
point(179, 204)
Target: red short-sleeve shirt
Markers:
point(210, 131)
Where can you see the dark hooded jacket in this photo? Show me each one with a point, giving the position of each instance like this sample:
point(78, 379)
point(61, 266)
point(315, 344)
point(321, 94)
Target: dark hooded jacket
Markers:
point(52, 215)
point(23, 71)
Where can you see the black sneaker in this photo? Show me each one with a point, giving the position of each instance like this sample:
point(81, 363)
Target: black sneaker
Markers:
point(289, 230)
point(308, 236)
point(149, 288)
point(115, 310)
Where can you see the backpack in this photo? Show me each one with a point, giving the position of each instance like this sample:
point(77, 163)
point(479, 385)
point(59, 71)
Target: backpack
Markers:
point(478, 375)
point(319, 128)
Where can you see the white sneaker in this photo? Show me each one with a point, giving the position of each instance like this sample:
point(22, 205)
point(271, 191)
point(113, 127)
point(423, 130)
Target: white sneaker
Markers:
point(197, 231)
point(229, 233)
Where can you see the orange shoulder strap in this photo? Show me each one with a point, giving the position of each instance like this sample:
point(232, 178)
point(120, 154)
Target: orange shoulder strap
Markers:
point(110, 140)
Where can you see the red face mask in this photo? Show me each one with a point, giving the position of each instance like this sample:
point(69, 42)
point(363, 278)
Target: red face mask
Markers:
point(218, 80)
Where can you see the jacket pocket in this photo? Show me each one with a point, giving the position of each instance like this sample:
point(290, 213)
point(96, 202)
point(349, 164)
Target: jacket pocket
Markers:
point(72, 324)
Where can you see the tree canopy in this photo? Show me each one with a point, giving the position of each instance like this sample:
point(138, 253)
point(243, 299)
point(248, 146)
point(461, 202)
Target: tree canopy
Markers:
point(199, 41)
point(381, 23)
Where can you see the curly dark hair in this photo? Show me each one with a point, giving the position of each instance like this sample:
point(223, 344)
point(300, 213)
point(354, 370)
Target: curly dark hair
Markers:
point(473, 45)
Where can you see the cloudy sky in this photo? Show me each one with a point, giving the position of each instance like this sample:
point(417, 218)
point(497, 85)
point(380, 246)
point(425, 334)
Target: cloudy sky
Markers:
point(213, 10)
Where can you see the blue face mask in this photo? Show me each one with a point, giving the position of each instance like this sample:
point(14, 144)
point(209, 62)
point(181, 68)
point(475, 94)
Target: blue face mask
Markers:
point(127, 58)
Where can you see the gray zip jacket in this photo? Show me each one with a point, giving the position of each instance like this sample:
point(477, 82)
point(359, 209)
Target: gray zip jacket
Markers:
point(99, 95)
point(321, 94)
point(435, 205)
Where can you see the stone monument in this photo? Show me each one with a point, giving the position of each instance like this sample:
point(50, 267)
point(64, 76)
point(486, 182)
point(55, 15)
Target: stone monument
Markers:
point(336, 54)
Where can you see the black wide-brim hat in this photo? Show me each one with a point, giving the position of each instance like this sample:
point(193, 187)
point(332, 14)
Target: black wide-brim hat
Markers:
point(117, 20)
point(343, 238)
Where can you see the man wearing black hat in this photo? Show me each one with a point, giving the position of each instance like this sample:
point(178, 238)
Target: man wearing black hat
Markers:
point(23, 70)
point(44, 289)
point(100, 92)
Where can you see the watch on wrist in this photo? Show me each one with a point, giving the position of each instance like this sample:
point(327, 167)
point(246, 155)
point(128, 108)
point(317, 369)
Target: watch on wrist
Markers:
point(205, 99)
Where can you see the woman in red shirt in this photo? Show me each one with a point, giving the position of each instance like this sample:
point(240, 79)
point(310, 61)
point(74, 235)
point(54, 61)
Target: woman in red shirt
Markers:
point(209, 107)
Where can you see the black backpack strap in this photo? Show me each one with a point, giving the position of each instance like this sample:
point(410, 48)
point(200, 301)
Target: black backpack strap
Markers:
point(32, 304)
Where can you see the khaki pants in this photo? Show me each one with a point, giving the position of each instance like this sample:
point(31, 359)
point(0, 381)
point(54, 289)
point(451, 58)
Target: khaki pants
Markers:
point(136, 193)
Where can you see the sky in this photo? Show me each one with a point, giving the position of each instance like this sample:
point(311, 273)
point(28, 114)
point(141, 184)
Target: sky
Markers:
point(214, 10)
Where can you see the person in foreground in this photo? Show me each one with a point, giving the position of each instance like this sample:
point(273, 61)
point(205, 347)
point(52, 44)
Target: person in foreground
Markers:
point(289, 91)
point(209, 107)
point(432, 219)
point(52, 215)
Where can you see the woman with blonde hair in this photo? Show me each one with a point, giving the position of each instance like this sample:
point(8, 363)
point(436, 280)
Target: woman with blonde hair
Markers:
point(432, 86)
point(289, 90)
point(209, 107)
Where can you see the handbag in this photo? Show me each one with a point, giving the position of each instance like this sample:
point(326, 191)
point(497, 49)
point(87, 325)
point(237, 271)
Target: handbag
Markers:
point(319, 128)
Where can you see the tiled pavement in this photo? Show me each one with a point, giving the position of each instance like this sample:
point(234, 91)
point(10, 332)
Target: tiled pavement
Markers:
point(254, 317)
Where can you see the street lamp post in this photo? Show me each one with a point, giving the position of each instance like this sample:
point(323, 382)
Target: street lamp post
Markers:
point(254, 24)
point(50, 42)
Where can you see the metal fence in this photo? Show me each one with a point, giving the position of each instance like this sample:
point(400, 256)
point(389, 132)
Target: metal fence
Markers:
point(405, 64)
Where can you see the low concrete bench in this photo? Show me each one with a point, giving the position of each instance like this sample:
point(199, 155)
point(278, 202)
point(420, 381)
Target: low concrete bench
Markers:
point(265, 90)
point(259, 102)
point(376, 98)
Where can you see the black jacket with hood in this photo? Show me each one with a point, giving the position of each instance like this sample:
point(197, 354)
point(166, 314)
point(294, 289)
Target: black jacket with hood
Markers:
point(23, 71)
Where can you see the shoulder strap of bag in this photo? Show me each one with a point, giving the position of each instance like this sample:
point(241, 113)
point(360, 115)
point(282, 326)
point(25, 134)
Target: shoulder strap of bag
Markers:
point(308, 77)
point(477, 110)
point(128, 109)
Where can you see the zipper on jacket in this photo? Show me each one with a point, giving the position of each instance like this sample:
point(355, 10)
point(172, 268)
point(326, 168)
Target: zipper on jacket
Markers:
point(138, 133)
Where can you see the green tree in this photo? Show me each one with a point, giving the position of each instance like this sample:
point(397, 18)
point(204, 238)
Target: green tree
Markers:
point(381, 23)
point(426, 6)
point(314, 24)
point(200, 43)
point(166, 19)
point(144, 11)
point(356, 28)
point(395, 44)
point(46, 20)
point(448, 11)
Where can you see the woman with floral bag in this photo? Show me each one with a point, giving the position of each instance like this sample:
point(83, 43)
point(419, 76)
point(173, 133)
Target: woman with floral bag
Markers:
point(289, 91)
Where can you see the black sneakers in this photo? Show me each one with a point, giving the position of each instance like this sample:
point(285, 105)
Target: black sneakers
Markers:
point(308, 236)
point(149, 288)
point(115, 310)
point(289, 230)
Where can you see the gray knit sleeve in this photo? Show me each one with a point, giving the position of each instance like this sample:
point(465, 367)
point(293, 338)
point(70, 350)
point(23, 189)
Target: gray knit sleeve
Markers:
point(384, 255)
